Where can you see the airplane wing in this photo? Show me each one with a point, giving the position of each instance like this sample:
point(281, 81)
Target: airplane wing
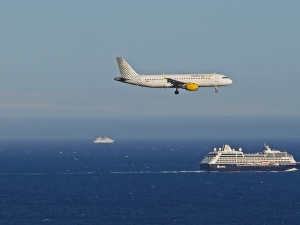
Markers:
point(175, 83)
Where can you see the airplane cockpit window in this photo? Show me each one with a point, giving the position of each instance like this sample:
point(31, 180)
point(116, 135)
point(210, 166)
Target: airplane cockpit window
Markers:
point(224, 77)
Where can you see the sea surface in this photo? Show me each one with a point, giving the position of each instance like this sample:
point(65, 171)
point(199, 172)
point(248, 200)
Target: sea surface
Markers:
point(138, 182)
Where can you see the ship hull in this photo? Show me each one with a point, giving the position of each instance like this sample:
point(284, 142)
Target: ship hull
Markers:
point(246, 168)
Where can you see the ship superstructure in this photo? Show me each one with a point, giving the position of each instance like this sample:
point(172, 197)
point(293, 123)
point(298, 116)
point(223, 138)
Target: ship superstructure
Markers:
point(103, 140)
point(228, 159)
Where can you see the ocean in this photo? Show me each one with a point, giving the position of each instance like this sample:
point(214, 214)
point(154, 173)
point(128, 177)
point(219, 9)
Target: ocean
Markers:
point(139, 182)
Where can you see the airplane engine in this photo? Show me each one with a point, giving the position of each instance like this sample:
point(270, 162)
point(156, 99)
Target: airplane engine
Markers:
point(191, 87)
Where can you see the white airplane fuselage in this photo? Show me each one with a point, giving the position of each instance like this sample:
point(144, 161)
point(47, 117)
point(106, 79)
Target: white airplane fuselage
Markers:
point(190, 82)
point(203, 80)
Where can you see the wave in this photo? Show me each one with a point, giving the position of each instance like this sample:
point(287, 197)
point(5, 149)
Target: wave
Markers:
point(156, 172)
point(137, 172)
point(40, 174)
point(293, 169)
point(103, 173)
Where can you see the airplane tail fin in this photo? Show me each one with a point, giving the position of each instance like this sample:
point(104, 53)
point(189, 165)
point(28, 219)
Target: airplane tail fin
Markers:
point(125, 69)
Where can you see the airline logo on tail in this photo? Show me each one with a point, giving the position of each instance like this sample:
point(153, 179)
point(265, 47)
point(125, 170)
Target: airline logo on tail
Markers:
point(128, 75)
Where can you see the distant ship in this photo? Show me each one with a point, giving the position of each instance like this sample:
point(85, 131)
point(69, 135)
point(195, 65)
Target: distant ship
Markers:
point(226, 159)
point(103, 140)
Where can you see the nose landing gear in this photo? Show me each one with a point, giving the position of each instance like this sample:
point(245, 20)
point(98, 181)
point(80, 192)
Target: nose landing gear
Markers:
point(176, 92)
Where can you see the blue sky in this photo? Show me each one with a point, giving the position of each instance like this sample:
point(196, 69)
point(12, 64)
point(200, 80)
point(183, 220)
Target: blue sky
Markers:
point(58, 64)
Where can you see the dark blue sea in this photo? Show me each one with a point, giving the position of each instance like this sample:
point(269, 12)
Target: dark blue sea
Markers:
point(138, 182)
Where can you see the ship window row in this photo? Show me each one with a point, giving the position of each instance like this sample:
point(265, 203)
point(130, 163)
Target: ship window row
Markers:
point(255, 159)
point(231, 155)
point(276, 159)
point(251, 161)
point(233, 161)
point(276, 155)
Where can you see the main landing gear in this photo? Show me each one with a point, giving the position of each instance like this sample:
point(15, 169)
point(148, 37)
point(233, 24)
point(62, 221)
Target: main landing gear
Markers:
point(216, 89)
point(176, 92)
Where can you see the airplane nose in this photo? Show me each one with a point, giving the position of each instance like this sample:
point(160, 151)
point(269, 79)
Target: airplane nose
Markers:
point(229, 81)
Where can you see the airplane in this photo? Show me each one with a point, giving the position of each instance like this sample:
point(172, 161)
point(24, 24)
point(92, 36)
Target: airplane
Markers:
point(190, 82)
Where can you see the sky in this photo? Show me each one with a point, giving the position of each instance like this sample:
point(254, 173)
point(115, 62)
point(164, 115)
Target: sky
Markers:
point(58, 61)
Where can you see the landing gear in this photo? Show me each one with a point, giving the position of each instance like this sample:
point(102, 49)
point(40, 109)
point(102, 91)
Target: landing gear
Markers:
point(216, 89)
point(176, 92)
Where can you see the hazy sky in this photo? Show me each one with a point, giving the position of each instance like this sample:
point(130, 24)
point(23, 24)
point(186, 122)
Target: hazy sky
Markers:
point(58, 63)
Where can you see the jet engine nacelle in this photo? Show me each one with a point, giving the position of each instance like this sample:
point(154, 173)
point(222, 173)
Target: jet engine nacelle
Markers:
point(191, 87)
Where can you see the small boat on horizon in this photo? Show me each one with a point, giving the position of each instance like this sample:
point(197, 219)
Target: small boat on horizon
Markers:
point(103, 140)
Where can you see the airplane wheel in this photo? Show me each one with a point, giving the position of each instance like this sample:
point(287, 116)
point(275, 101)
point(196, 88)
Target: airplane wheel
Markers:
point(216, 90)
point(176, 92)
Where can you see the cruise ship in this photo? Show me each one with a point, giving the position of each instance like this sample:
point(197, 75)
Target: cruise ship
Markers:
point(227, 159)
point(103, 140)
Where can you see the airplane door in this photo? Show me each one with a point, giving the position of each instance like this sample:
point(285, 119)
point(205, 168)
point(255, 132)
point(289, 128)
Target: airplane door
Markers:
point(217, 79)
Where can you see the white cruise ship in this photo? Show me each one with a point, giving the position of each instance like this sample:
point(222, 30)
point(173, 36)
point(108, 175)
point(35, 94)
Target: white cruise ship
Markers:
point(103, 140)
point(228, 159)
